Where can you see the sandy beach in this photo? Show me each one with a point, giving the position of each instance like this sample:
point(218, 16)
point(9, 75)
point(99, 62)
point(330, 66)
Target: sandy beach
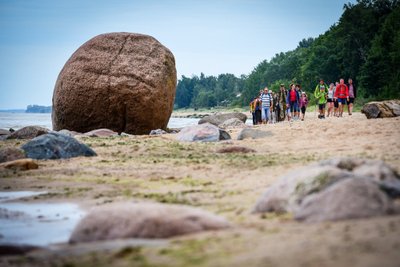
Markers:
point(161, 169)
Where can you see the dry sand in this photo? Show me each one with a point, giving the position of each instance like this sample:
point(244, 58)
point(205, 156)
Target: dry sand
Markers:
point(164, 170)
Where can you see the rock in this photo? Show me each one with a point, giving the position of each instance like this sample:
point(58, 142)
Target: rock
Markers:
point(347, 199)
point(68, 132)
point(218, 119)
point(19, 164)
point(56, 146)
point(101, 133)
point(157, 132)
point(248, 133)
point(11, 153)
point(120, 81)
point(288, 193)
point(232, 123)
point(4, 132)
point(143, 220)
point(28, 132)
point(203, 133)
point(383, 109)
point(236, 149)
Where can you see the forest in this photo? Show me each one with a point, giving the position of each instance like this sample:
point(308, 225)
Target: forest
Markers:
point(364, 45)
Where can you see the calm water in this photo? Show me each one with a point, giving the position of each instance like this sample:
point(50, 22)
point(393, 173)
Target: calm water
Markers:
point(19, 120)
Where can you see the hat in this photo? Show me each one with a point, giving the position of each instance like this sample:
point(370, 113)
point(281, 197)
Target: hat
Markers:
point(282, 85)
point(303, 93)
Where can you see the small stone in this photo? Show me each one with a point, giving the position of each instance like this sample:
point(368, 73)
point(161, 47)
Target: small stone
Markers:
point(202, 133)
point(218, 119)
point(11, 153)
point(236, 149)
point(20, 164)
point(28, 132)
point(383, 109)
point(232, 123)
point(249, 133)
point(101, 133)
point(158, 132)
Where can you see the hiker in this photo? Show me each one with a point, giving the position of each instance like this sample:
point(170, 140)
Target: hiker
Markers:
point(341, 94)
point(352, 96)
point(320, 96)
point(330, 100)
point(335, 101)
point(303, 104)
point(292, 99)
point(266, 100)
point(297, 111)
point(253, 110)
point(274, 112)
point(257, 108)
point(281, 104)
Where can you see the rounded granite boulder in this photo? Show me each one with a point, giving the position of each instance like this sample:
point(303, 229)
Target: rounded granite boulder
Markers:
point(122, 81)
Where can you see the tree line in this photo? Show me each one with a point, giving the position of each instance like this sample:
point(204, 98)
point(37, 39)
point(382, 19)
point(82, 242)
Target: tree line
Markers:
point(363, 45)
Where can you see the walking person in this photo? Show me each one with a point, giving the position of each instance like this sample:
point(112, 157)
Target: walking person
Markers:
point(330, 100)
point(266, 100)
point(335, 102)
point(257, 107)
point(303, 104)
point(320, 96)
point(293, 99)
point(352, 96)
point(281, 105)
point(342, 94)
point(253, 110)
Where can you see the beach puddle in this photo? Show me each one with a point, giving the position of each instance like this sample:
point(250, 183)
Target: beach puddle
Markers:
point(37, 224)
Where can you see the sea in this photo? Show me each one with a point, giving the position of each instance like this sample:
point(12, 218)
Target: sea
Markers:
point(18, 120)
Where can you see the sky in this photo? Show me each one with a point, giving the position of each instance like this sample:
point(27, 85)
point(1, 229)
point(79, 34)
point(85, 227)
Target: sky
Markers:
point(222, 36)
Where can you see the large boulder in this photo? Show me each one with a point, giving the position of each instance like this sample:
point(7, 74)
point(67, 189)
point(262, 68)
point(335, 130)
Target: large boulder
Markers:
point(143, 220)
point(202, 133)
point(347, 199)
point(56, 146)
point(218, 119)
point(28, 132)
point(290, 191)
point(383, 109)
point(120, 81)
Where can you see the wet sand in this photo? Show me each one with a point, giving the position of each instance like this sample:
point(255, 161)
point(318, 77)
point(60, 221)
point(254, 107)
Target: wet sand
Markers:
point(144, 168)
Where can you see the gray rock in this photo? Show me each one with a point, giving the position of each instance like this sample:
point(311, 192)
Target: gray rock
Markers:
point(218, 119)
point(68, 132)
point(158, 132)
point(383, 109)
point(236, 149)
point(144, 220)
point(347, 199)
point(101, 133)
point(56, 146)
point(4, 132)
point(28, 132)
point(232, 123)
point(288, 193)
point(249, 133)
point(11, 153)
point(202, 133)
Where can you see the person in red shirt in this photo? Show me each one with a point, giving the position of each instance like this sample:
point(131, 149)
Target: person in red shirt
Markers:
point(341, 94)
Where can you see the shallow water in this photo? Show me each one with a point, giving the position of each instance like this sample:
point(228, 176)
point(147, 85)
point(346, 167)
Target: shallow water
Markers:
point(38, 224)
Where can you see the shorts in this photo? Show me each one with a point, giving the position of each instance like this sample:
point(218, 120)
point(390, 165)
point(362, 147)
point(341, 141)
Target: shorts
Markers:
point(351, 100)
point(335, 104)
point(293, 106)
point(342, 101)
point(321, 106)
point(303, 110)
point(330, 100)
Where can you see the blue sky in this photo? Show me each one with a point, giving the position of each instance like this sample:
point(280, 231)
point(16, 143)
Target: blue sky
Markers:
point(38, 36)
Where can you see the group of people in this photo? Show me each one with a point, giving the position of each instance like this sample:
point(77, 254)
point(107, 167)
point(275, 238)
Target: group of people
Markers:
point(291, 104)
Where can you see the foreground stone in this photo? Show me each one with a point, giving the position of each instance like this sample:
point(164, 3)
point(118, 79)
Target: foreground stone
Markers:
point(144, 220)
point(249, 133)
point(113, 81)
point(19, 164)
point(218, 119)
point(28, 132)
point(347, 199)
point(11, 153)
point(202, 133)
point(383, 109)
point(236, 149)
point(289, 193)
point(158, 132)
point(56, 146)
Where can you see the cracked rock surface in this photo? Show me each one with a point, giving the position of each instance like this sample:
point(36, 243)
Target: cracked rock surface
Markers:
point(125, 82)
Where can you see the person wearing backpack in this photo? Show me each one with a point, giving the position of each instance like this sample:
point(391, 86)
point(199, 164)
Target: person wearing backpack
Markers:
point(253, 110)
point(292, 99)
point(257, 108)
point(267, 102)
point(330, 100)
point(303, 104)
point(320, 96)
point(281, 104)
point(341, 94)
